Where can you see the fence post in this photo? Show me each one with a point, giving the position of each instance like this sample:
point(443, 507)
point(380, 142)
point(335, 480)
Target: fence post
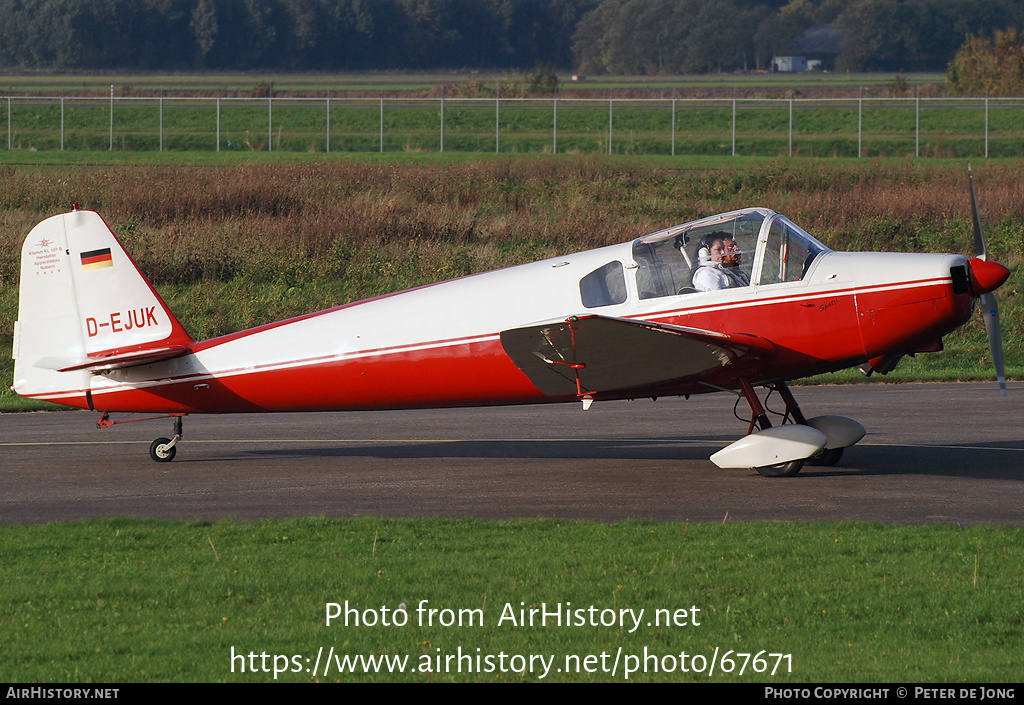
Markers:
point(328, 125)
point(609, 126)
point(9, 123)
point(111, 118)
point(791, 127)
point(270, 124)
point(497, 125)
point(917, 125)
point(62, 123)
point(734, 127)
point(860, 109)
point(554, 124)
point(986, 127)
point(442, 124)
point(382, 125)
point(161, 123)
point(218, 124)
point(673, 127)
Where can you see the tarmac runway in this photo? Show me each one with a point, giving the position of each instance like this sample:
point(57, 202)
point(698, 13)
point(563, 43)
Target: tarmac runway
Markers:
point(934, 453)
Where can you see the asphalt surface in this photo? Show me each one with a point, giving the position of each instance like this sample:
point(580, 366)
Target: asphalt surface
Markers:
point(934, 453)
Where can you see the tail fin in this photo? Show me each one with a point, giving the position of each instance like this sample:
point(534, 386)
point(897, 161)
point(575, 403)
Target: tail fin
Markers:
point(84, 306)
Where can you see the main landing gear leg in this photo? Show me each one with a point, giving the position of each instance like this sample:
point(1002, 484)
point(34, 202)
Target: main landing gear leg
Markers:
point(841, 431)
point(774, 451)
point(760, 419)
point(792, 408)
point(826, 456)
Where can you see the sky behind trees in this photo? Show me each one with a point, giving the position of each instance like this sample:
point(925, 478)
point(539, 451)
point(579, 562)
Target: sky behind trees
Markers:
point(631, 37)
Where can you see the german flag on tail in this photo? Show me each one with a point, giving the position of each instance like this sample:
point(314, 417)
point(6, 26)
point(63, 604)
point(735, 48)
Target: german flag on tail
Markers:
point(97, 259)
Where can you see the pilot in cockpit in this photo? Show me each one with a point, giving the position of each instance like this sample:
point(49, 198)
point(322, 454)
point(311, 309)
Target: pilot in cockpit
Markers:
point(719, 264)
point(731, 262)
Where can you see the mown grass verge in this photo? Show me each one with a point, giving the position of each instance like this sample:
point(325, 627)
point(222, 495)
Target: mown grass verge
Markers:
point(124, 600)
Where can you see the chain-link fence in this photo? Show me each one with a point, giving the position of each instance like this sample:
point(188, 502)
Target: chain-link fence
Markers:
point(846, 127)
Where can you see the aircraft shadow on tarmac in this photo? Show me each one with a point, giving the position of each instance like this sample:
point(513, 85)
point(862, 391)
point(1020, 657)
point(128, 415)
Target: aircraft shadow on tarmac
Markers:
point(668, 448)
point(997, 460)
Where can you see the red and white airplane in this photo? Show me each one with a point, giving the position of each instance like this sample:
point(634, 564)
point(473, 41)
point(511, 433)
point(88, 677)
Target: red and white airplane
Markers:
point(619, 322)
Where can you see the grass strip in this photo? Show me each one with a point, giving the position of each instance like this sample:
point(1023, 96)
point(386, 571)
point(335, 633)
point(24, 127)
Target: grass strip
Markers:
point(124, 600)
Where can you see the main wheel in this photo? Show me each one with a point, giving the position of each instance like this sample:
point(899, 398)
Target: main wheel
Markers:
point(828, 457)
point(782, 469)
point(160, 452)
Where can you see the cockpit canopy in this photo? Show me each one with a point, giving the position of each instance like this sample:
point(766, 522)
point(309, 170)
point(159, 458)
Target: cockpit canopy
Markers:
point(751, 246)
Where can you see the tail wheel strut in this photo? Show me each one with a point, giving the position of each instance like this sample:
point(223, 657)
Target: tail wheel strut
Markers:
point(162, 450)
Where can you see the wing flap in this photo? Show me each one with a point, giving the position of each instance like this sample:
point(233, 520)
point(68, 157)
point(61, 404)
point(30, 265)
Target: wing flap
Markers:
point(594, 354)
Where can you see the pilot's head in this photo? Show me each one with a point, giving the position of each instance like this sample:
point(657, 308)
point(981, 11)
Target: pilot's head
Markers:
point(712, 248)
point(731, 258)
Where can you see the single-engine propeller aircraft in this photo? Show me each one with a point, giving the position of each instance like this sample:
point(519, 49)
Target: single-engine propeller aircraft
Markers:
point(732, 302)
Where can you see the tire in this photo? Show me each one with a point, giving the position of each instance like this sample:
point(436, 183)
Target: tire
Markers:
point(159, 451)
point(828, 457)
point(782, 469)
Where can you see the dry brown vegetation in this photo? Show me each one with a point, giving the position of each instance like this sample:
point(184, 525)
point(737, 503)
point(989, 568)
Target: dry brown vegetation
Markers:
point(283, 239)
point(188, 224)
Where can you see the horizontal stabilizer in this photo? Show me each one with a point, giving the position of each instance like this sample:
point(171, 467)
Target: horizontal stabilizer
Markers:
point(135, 359)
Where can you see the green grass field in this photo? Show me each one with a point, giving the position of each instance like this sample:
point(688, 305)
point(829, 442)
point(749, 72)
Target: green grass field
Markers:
point(121, 600)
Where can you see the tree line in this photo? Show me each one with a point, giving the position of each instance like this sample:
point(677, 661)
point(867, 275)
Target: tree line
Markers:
point(631, 37)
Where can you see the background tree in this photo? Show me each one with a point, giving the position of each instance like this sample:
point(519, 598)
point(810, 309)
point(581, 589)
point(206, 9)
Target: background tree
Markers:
point(203, 24)
point(593, 36)
point(989, 67)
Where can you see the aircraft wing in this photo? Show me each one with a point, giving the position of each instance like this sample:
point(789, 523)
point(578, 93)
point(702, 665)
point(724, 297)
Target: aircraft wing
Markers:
point(595, 354)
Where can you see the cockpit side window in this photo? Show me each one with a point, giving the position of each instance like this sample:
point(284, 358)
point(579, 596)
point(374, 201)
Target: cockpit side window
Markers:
point(605, 286)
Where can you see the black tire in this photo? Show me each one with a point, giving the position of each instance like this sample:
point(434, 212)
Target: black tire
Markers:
point(782, 469)
point(160, 453)
point(828, 457)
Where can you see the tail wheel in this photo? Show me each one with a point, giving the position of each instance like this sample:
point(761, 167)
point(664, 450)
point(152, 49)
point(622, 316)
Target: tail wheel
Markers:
point(162, 451)
point(782, 469)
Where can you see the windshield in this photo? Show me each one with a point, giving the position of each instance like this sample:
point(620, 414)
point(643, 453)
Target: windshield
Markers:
point(668, 261)
point(789, 252)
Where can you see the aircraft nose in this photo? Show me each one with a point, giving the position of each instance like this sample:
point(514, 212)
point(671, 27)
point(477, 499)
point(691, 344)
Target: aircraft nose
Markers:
point(986, 276)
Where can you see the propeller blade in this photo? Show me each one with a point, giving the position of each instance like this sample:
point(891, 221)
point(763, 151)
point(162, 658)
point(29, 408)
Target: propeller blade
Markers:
point(989, 308)
point(990, 311)
point(979, 237)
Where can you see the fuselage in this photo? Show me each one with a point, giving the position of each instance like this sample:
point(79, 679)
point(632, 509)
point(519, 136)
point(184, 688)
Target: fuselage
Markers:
point(439, 345)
